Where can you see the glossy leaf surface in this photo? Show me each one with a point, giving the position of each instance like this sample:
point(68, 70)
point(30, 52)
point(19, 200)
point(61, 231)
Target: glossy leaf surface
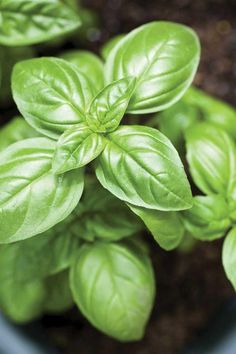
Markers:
point(211, 155)
point(113, 286)
point(32, 198)
point(140, 166)
point(77, 147)
point(109, 106)
point(51, 94)
point(163, 57)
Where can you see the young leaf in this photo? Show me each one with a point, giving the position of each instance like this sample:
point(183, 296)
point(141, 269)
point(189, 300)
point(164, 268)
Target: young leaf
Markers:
point(109, 106)
point(17, 129)
point(89, 64)
point(32, 198)
point(140, 166)
point(166, 227)
point(78, 146)
point(25, 22)
point(229, 256)
point(209, 218)
point(163, 56)
point(211, 155)
point(113, 286)
point(51, 94)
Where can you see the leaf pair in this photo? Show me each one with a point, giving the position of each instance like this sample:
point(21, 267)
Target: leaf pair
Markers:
point(82, 143)
point(211, 154)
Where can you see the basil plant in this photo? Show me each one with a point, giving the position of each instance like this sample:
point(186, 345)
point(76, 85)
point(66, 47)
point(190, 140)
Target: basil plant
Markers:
point(79, 181)
point(207, 126)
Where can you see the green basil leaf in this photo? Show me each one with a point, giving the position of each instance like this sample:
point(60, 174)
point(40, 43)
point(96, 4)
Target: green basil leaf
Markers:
point(166, 227)
point(113, 286)
point(38, 257)
point(103, 216)
point(51, 94)
point(22, 303)
point(25, 22)
point(209, 218)
point(17, 129)
point(78, 146)
point(109, 45)
point(140, 166)
point(59, 296)
point(109, 106)
point(32, 198)
point(211, 155)
point(174, 121)
point(87, 63)
point(163, 56)
point(212, 110)
point(229, 256)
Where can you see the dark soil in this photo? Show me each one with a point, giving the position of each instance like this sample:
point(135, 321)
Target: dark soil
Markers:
point(190, 287)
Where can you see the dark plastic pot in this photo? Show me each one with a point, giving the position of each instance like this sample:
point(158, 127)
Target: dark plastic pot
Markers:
point(220, 335)
point(23, 339)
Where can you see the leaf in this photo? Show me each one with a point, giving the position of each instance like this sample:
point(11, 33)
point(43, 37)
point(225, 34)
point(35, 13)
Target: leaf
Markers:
point(38, 257)
point(26, 22)
point(140, 166)
point(163, 56)
point(166, 227)
point(59, 297)
point(17, 129)
point(51, 94)
point(110, 44)
point(22, 303)
point(87, 63)
point(113, 286)
point(78, 146)
point(109, 106)
point(209, 218)
point(229, 256)
point(32, 198)
point(211, 157)
point(103, 216)
point(212, 110)
point(174, 121)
